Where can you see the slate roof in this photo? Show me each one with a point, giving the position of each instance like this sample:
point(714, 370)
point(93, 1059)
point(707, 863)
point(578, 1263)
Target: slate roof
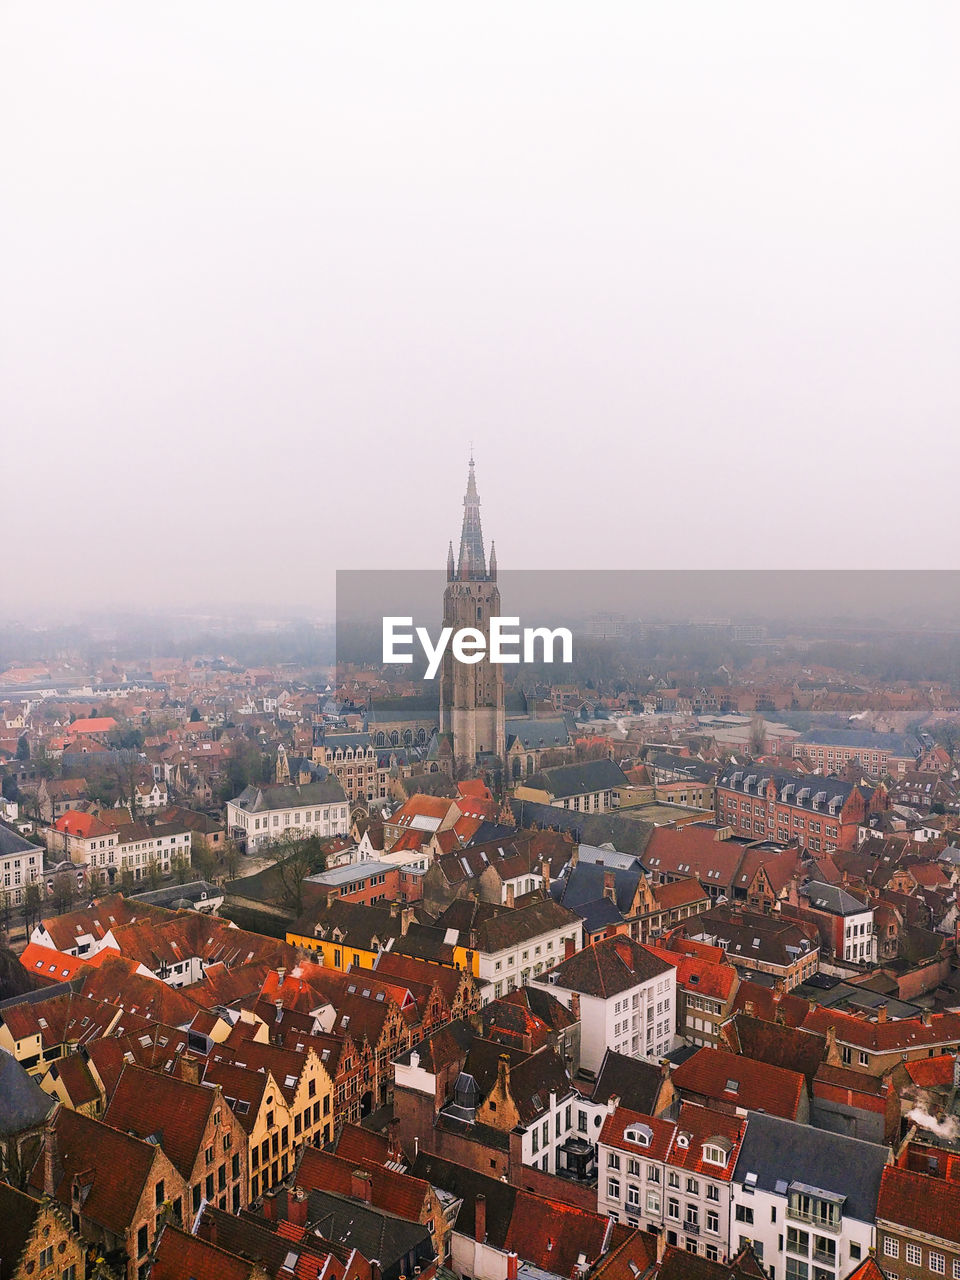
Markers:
point(778, 1151)
point(23, 1104)
point(636, 1083)
point(374, 1232)
point(630, 835)
point(901, 744)
point(564, 781)
point(512, 928)
point(534, 735)
point(833, 899)
point(796, 789)
point(254, 799)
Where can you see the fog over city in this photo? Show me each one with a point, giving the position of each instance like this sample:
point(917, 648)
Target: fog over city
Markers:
point(685, 275)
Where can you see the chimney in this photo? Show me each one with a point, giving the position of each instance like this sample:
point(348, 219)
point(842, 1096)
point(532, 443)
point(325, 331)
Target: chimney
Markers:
point(512, 1266)
point(52, 1167)
point(190, 1070)
point(510, 896)
point(925, 1017)
point(297, 1207)
point(882, 1012)
point(360, 1185)
point(270, 1208)
point(503, 1072)
point(281, 974)
point(480, 1217)
point(545, 872)
point(609, 886)
point(575, 856)
point(750, 1008)
point(406, 920)
point(569, 948)
point(575, 1004)
point(394, 909)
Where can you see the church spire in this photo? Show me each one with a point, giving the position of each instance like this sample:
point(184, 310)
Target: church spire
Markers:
point(472, 560)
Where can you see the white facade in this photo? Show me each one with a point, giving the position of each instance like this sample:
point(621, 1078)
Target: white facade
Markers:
point(859, 939)
point(787, 1241)
point(296, 822)
point(638, 1022)
point(515, 966)
point(18, 869)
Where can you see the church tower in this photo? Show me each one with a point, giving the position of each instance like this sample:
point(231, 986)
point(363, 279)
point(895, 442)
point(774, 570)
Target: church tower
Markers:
point(471, 696)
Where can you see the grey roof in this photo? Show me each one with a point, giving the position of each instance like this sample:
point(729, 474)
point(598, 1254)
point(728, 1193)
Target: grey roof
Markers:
point(253, 799)
point(684, 766)
point(902, 744)
point(344, 741)
point(12, 843)
point(563, 780)
point(192, 893)
point(583, 883)
point(797, 789)
point(831, 898)
point(779, 1151)
point(23, 1104)
point(630, 835)
point(534, 734)
point(394, 710)
point(610, 858)
point(374, 1232)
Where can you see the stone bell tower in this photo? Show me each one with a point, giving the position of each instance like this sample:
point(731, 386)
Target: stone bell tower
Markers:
point(471, 696)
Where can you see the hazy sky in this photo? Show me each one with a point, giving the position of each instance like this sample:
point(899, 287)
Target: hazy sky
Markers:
point(686, 273)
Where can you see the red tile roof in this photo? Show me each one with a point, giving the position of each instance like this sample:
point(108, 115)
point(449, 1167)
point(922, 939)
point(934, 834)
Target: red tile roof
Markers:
point(919, 1202)
point(397, 1193)
point(697, 1127)
point(928, 1073)
point(179, 1255)
point(176, 1117)
point(741, 1082)
point(616, 1125)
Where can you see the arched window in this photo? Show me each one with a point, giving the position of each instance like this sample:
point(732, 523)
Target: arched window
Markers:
point(381, 739)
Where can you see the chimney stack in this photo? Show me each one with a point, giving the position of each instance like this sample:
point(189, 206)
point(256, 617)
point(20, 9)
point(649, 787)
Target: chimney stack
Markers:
point(281, 974)
point(503, 1072)
point(406, 920)
point(575, 856)
point(512, 1262)
point(480, 1216)
point(545, 872)
point(297, 1207)
point(509, 900)
point(609, 886)
point(882, 1012)
point(190, 1070)
point(360, 1185)
point(575, 1004)
point(52, 1168)
point(569, 948)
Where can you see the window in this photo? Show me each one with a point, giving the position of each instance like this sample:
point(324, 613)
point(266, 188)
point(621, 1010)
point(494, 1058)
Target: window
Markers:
point(633, 1197)
point(653, 1202)
point(693, 1187)
point(798, 1241)
point(713, 1221)
point(613, 1160)
point(743, 1213)
point(797, 1270)
point(613, 1188)
point(673, 1208)
point(914, 1254)
point(693, 1216)
point(956, 1268)
point(673, 1179)
point(653, 1173)
point(936, 1262)
point(713, 1191)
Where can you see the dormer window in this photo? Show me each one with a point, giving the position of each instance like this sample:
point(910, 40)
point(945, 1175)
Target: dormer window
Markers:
point(713, 1154)
point(641, 1135)
point(683, 1140)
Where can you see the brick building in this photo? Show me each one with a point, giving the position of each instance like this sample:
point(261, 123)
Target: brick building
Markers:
point(819, 814)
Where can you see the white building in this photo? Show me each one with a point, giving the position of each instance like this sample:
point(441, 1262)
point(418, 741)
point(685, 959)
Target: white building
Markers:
point(261, 815)
point(806, 1199)
point(515, 947)
point(624, 996)
point(21, 863)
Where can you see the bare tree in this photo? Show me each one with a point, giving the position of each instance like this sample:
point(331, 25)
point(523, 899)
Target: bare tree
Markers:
point(293, 860)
